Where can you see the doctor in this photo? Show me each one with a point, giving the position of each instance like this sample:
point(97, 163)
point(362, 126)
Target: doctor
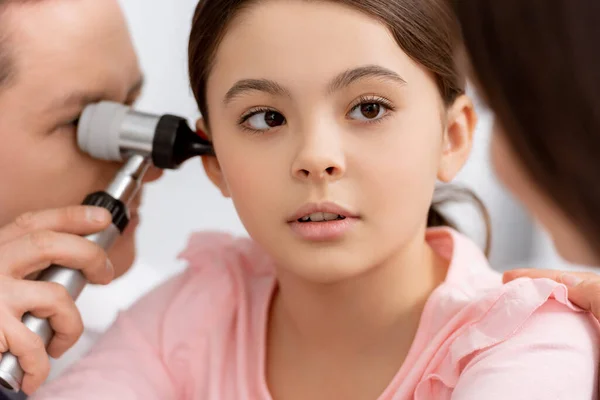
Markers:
point(56, 56)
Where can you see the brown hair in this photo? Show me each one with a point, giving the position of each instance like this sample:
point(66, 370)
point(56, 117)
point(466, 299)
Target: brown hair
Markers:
point(537, 64)
point(426, 30)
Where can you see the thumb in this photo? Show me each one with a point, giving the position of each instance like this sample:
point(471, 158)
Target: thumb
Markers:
point(584, 287)
point(584, 292)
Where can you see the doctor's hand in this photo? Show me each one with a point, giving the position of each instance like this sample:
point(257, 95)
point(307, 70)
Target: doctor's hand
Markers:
point(28, 245)
point(584, 287)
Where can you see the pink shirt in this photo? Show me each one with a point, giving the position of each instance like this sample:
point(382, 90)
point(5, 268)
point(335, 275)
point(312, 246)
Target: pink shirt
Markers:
point(202, 335)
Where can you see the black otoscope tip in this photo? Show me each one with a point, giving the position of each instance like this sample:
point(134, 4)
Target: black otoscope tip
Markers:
point(175, 142)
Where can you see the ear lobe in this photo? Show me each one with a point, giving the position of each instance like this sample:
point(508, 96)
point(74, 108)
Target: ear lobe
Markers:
point(458, 138)
point(215, 174)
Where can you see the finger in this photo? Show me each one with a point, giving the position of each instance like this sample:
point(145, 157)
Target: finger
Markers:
point(530, 273)
point(45, 300)
point(37, 250)
point(77, 220)
point(534, 273)
point(584, 287)
point(52, 301)
point(29, 349)
point(586, 294)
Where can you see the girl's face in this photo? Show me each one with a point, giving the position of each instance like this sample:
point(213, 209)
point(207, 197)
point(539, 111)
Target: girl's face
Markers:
point(315, 108)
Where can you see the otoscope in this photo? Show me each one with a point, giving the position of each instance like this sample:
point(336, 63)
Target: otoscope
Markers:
point(114, 132)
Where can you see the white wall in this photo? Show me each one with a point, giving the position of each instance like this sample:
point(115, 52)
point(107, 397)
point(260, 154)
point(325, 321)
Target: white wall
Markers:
point(184, 201)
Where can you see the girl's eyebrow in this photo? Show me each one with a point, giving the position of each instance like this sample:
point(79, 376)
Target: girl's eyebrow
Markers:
point(350, 76)
point(341, 81)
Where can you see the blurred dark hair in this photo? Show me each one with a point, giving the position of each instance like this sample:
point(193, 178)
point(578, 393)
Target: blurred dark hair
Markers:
point(537, 65)
point(426, 30)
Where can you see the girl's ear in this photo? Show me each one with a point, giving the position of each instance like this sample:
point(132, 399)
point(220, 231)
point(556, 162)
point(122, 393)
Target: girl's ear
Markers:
point(215, 174)
point(201, 129)
point(461, 120)
point(211, 163)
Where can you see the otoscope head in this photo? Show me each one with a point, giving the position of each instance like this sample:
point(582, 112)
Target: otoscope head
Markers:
point(113, 132)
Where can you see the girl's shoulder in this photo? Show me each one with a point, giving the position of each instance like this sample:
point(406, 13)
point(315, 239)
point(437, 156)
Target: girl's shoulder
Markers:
point(227, 277)
point(218, 251)
point(223, 272)
point(491, 340)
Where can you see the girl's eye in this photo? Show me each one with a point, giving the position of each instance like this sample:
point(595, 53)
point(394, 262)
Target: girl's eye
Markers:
point(263, 120)
point(368, 111)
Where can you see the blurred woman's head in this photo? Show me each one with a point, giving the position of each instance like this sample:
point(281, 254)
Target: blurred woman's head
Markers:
point(537, 65)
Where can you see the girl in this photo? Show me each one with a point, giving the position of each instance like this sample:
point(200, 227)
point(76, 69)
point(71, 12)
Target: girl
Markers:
point(332, 121)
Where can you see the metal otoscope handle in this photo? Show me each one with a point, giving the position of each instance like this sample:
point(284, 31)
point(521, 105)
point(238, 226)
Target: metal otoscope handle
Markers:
point(122, 190)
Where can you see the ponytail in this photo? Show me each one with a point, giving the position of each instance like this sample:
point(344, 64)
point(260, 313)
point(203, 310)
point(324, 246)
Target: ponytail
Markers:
point(451, 194)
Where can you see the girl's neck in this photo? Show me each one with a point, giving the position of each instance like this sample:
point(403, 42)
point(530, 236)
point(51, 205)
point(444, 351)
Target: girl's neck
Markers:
point(356, 314)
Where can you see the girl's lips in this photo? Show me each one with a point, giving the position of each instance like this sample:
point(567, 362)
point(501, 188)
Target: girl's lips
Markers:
point(326, 207)
point(323, 231)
